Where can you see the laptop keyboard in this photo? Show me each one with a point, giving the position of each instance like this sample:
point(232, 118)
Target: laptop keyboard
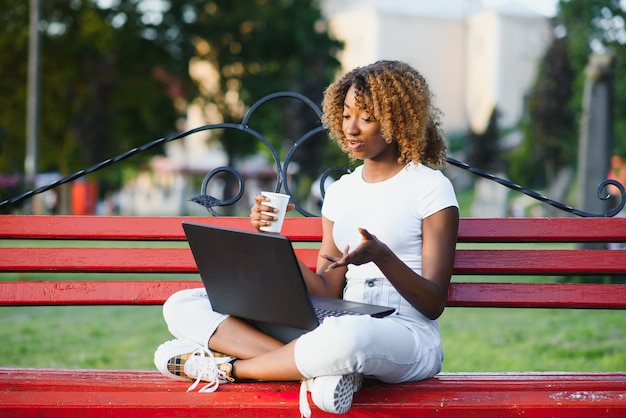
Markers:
point(325, 313)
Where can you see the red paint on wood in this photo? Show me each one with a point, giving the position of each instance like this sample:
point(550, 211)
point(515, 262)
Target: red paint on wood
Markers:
point(110, 260)
point(128, 292)
point(141, 228)
point(304, 229)
point(542, 230)
point(143, 393)
point(540, 262)
point(180, 260)
point(537, 295)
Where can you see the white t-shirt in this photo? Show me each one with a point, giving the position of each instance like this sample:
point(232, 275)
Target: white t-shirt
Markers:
point(392, 210)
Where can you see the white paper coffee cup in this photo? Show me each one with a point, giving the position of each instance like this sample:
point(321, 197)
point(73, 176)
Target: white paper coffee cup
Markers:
point(278, 201)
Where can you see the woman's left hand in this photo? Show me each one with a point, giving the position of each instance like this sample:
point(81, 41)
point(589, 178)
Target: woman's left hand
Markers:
point(368, 250)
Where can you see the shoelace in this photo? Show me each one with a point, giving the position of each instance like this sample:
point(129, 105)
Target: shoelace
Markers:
point(205, 368)
point(307, 386)
point(305, 409)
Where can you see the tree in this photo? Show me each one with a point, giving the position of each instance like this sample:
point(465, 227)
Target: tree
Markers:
point(483, 148)
point(116, 77)
point(256, 50)
point(554, 106)
point(597, 25)
point(98, 98)
point(549, 131)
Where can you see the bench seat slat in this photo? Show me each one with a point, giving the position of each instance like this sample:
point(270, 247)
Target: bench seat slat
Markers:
point(180, 260)
point(24, 379)
point(530, 295)
point(73, 393)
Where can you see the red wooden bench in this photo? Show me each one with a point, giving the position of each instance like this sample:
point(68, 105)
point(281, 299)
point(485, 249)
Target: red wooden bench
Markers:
point(28, 392)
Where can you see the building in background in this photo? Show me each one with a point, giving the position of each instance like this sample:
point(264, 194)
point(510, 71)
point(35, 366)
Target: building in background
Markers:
point(475, 56)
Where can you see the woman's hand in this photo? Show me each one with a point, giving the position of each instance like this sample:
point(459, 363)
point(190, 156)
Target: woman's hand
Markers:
point(369, 249)
point(259, 219)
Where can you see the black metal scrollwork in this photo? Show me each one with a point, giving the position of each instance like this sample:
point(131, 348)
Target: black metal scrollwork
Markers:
point(210, 202)
point(538, 196)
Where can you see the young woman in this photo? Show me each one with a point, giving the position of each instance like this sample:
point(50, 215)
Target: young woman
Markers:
point(389, 236)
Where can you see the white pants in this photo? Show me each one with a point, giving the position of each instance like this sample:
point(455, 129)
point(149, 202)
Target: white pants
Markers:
point(404, 346)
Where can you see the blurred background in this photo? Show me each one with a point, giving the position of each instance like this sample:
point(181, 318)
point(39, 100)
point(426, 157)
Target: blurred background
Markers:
point(531, 90)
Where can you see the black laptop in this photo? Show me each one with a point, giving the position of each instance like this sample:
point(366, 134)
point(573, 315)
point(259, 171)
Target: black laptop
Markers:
point(256, 276)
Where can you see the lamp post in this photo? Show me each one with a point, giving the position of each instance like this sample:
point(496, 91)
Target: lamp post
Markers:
point(31, 160)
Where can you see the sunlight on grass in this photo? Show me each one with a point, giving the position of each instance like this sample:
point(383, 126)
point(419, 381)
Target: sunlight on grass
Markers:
point(110, 337)
point(125, 337)
point(490, 339)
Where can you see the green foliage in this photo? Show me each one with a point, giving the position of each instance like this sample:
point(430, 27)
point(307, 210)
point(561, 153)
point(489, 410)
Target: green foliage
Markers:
point(99, 95)
point(549, 132)
point(598, 25)
point(554, 107)
point(483, 150)
point(258, 48)
point(116, 77)
point(13, 73)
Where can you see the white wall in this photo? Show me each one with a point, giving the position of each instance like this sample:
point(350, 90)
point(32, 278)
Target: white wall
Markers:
point(503, 54)
point(473, 58)
point(359, 30)
point(371, 35)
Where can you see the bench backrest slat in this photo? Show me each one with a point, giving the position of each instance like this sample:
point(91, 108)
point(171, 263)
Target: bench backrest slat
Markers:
point(135, 228)
point(155, 292)
point(542, 230)
point(110, 260)
point(303, 229)
point(540, 262)
point(180, 260)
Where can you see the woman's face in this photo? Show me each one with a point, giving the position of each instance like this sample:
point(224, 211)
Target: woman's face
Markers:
point(362, 132)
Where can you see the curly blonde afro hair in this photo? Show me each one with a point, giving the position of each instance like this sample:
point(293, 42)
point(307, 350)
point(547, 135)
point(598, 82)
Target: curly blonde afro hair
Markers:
point(398, 97)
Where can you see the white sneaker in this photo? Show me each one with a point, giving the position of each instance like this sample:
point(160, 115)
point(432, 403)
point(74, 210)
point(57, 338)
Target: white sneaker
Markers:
point(330, 393)
point(187, 360)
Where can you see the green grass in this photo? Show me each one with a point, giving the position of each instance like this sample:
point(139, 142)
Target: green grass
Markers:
point(483, 340)
point(109, 337)
point(489, 339)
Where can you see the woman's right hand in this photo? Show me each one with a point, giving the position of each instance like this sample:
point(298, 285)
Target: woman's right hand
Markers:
point(258, 218)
